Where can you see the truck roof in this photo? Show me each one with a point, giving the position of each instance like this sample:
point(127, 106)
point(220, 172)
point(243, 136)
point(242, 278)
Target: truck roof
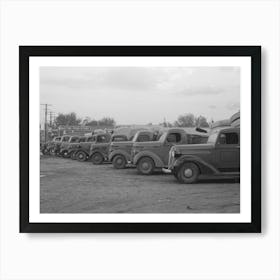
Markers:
point(187, 130)
point(226, 128)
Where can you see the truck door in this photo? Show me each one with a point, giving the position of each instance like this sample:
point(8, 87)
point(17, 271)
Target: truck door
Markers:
point(173, 138)
point(228, 151)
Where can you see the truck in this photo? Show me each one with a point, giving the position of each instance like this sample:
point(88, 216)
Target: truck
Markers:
point(55, 148)
point(153, 155)
point(80, 151)
point(120, 152)
point(46, 147)
point(99, 150)
point(63, 151)
point(218, 158)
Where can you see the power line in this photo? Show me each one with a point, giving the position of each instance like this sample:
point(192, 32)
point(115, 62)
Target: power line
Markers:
point(46, 120)
point(52, 117)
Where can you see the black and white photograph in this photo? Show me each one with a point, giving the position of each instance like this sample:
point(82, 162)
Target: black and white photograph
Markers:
point(141, 137)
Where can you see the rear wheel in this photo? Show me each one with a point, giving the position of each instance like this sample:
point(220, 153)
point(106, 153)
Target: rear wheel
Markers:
point(188, 173)
point(97, 158)
point(81, 156)
point(145, 166)
point(119, 162)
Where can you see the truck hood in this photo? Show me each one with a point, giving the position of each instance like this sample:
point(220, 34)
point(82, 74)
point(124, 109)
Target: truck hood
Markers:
point(192, 148)
point(121, 144)
point(147, 144)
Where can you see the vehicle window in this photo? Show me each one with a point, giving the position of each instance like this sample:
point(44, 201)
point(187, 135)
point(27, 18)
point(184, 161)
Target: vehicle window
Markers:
point(162, 137)
point(82, 140)
point(66, 139)
point(212, 138)
point(173, 138)
point(119, 138)
point(228, 138)
point(102, 139)
point(75, 140)
point(143, 138)
point(90, 139)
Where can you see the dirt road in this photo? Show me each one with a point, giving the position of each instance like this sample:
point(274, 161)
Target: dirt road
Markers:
point(69, 186)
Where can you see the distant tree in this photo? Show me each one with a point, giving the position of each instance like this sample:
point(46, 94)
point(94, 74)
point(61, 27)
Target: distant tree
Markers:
point(201, 121)
point(187, 120)
point(67, 119)
point(92, 123)
point(106, 121)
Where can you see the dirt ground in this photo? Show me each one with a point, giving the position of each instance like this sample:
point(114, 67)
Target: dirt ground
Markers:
point(69, 186)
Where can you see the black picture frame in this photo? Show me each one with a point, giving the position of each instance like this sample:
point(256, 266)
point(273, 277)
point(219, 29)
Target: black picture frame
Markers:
point(25, 52)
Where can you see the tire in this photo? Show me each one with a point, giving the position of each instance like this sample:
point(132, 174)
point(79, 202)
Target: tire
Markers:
point(119, 162)
point(52, 152)
point(145, 166)
point(97, 158)
point(65, 154)
point(81, 156)
point(73, 155)
point(45, 151)
point(188, 173)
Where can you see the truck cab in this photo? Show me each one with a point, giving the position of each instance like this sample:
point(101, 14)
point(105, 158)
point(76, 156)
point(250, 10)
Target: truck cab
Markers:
point(219, 157)
point(153, 155)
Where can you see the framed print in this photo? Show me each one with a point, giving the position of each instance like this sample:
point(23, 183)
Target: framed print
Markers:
point(140, 138)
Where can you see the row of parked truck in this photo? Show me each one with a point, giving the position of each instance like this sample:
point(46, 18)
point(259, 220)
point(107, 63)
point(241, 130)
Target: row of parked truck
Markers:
point(189, 153)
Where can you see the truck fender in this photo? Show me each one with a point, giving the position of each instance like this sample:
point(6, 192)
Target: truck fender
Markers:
point(157, 160)
point(81, 150)
point(97, 151)
point(119, 152)
point(196, 160)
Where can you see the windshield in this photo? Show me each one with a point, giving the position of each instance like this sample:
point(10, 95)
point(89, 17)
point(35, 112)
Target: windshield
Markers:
point(135, 137)
point(213, 137)
point(74, 139)
point(119, 138)
point(65, 138)
point(162, 137)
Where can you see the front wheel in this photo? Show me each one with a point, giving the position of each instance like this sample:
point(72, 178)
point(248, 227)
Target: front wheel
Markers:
point(45, 151)
point(145, 166)
point(119, 162)
point(188, 173)
point(52, 152)
point(81, 156)
point(65, 154)
point(97, 158)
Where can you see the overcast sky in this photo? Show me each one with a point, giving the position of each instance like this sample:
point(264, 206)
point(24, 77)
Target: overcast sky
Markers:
point(141, 95)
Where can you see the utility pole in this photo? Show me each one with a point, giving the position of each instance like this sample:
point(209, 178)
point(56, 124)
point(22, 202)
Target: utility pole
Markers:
point(52, 115)
point(46, 120)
